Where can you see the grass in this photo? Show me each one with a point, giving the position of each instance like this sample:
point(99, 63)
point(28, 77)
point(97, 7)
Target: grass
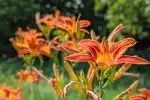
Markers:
point(44, 91)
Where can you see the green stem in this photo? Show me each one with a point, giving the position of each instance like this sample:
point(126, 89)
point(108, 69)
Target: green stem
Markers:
point(32, 92)
point(47, 34)
point(41, 61)
point(38, 91)
point(101, 88)
point(101, 84)
point(56, 58)
point(110, 77)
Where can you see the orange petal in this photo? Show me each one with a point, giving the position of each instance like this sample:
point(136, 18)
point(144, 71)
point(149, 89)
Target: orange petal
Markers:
point(132, 60)
point(138, 97)
point(63, 26)
point(95, 44)
point(84, 30)
point(79, 57)
point(18, 91)
point(120, 47)
point(70, 45)
point(23, 52)
point(84, 23)
point(45, 50)
point(65, 18)
point(21, 45)
point(90, 49)
point(145, 91)
point(120, 43)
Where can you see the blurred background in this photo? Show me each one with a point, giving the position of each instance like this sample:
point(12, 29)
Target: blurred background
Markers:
point(104, 15)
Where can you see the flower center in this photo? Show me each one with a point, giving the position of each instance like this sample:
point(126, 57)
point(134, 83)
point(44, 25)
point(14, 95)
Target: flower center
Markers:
point(105, 58)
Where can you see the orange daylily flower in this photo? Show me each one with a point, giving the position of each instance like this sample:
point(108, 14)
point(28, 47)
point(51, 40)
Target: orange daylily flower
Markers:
point(8, 93)
point(106, 55)
point(51, 20)
point(29, 42)
point(72, 27)
point(145, 95)
point(28, 75)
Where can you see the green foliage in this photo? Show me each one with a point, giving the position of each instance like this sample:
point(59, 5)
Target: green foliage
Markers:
point(105, 14)
point(133, 13)
point(14, 9)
